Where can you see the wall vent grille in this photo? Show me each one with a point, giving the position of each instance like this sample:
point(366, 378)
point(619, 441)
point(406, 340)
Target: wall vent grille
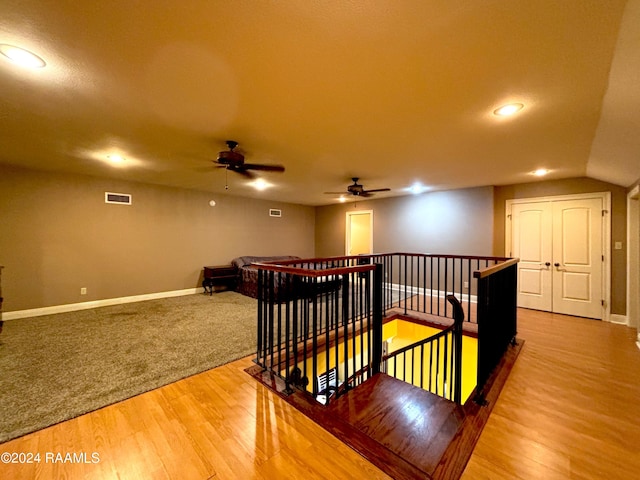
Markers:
point(274, 212)
point(119, 198)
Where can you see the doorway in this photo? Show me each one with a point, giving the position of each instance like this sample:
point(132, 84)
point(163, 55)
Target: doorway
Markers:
point(562, 246)
point(359, 233)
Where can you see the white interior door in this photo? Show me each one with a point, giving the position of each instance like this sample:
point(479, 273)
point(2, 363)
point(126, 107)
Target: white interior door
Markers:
point(531, 243)
point(577, 257)
point(560, 246)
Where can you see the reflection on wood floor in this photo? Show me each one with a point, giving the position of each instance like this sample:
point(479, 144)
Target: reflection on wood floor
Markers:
point(406, 431)
point(568, 410)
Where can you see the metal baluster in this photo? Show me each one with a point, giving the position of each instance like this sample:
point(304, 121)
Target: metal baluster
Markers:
point(469, 293)
point(314, 364)
point(438, 286)
point(412, 278)
point(270, 324)
point(431, 367)
point(445, 359)
point(279, 325)
point(446, 283)
point(431, 285)
point(422, 366)
point(287, 335)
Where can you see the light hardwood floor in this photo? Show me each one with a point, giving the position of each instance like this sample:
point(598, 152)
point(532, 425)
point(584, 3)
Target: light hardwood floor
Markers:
point(570, 409)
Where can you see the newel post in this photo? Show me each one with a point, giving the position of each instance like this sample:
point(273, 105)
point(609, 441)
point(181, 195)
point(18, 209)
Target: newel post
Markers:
point(376, 361)
point(458, 318)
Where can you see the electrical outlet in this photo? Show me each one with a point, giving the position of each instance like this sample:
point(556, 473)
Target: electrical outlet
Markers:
point(83, 291)
point(466, 284)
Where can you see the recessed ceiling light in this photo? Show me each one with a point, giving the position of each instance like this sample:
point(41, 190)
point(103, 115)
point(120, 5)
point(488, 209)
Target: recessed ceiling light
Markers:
point(22, 57)
point(416, 189)
point(541, 172)
point(509, 109)
point(115, 159)
point(260, 184)
point(342, 199)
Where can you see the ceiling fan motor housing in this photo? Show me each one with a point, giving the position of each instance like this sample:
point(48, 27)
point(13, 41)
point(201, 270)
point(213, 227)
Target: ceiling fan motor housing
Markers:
point(230, 158)
point(355, 189)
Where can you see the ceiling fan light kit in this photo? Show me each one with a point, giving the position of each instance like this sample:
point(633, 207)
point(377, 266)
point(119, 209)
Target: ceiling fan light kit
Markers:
point(358, 190)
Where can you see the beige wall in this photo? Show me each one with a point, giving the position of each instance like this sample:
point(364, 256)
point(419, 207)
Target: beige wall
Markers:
point(567, 187)
point(58, 235)
point(454, 222)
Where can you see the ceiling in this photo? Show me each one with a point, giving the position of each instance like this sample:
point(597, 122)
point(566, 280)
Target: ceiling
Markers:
point(394, 92)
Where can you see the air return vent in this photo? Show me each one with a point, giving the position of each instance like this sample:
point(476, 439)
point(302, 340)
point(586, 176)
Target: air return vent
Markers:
point(121, 198)
point(274, 212)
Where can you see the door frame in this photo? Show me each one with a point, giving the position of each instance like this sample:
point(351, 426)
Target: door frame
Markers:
point(347, 229)
point(606, 235)
point(633, 259)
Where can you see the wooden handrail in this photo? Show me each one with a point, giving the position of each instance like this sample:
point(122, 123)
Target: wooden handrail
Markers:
point(441, 255)
point(312, 272)
point(369, 255)
point(495, 268)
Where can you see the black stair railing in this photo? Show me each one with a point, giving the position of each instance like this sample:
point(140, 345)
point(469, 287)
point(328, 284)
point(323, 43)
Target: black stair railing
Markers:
point(434, 363)
point(497, 317)
point(315, 315)
point(312, 320)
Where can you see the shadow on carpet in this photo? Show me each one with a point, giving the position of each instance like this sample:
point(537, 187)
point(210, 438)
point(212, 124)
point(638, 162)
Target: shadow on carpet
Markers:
point(58, 367)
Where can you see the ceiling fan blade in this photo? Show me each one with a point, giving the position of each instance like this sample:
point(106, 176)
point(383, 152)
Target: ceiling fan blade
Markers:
point(378, 190)
point(263, 167)
point(244, 173)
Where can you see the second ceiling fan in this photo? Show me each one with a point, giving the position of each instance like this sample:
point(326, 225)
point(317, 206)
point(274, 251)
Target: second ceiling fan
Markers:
point(358, 190)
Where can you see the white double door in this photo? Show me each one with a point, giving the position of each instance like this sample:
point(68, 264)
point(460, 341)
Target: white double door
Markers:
point(560, 247)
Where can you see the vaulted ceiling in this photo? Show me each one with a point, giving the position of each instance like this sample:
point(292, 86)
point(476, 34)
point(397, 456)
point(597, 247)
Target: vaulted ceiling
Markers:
point(394, 92)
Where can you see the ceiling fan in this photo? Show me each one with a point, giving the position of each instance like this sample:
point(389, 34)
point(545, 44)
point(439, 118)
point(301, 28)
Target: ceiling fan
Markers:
point(234, 161)
point(358, 190)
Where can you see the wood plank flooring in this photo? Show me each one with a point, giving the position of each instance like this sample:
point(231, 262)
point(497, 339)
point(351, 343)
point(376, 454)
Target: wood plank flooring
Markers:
point(412, 423)
point(570, 406)
point(568, 410)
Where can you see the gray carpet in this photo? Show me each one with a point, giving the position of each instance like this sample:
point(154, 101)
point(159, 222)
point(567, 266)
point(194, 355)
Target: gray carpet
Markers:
point(57, 367)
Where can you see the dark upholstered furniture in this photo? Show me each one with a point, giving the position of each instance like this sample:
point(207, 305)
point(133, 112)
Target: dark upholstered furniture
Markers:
point(248, 276)
point(283, 287)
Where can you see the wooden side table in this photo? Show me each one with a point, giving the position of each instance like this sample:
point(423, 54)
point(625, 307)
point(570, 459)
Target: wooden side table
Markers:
point(225, 275)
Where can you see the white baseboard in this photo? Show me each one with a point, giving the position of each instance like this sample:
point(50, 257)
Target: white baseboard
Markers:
point(619, 319)
point(73, 307)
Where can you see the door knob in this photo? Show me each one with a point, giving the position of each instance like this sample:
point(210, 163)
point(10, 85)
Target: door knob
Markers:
point(556, 264)
point(547, 264)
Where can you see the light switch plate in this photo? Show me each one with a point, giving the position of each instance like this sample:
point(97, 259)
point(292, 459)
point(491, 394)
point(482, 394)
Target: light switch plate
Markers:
point(617, 246)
